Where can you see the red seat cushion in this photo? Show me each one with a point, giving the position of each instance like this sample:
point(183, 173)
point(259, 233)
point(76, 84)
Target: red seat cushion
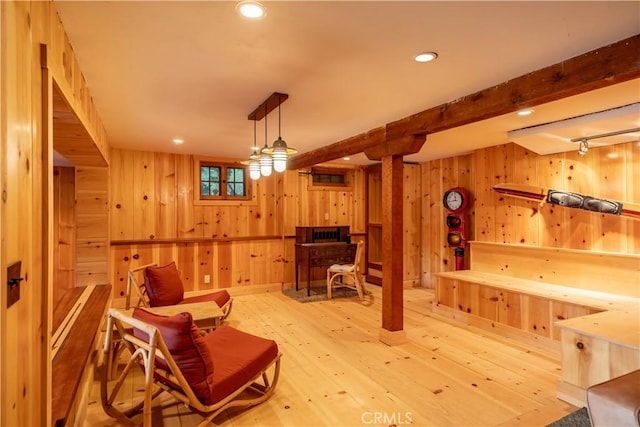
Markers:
point(216, 364)
point(219, 297)
point(163, 285)
point(237, 357)
point(187, 347)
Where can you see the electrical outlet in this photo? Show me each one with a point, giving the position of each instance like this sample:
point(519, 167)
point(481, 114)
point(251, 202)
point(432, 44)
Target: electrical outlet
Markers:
point(207, 278)
point(326, 216)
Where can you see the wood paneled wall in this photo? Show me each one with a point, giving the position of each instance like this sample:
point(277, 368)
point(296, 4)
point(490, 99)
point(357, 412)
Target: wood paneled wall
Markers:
point(611, 172)
point(27, 202)
point(306, 205)
point(437, 177)
point(236, 243)
point(412, 222)
point(92, 225)
point(152, 197)
point(64, 231)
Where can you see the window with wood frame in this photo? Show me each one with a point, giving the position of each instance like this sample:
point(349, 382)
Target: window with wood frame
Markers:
point(323, 177)
point(223, 181)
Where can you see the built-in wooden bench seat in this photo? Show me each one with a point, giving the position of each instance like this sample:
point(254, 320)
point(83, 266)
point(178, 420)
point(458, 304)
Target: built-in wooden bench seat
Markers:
point(582, 305)
point(77, 321)
point(521, 291)
point(566, 294)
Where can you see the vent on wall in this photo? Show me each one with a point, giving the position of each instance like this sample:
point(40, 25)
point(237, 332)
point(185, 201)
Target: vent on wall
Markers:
point(564, 135)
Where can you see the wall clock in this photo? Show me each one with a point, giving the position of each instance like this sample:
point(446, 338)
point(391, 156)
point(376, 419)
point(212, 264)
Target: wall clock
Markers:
point(455, 199)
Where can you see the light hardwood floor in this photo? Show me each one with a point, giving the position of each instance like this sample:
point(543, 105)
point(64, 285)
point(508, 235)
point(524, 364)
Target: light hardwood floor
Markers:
point(335, 372)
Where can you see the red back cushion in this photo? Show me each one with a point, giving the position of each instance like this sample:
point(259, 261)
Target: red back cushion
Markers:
point(187, 347)
point(163, 285)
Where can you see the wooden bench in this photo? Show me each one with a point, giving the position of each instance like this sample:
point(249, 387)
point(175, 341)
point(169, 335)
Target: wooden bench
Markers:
point(567, 302)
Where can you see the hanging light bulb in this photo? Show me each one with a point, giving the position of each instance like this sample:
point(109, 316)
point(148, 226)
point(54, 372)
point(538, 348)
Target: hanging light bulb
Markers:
point(280, 155)
point(254, 166)
point(266, 162)
point(280, 152)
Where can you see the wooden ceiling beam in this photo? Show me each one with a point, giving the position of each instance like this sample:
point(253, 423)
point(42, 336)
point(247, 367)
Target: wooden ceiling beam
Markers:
point(606, 66)
point(409, 144)
point(271, 103)
point(346, 147)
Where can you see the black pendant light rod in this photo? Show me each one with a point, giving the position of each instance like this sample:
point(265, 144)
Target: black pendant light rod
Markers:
point(279, 120)
point(266, 146)
point(255, 140)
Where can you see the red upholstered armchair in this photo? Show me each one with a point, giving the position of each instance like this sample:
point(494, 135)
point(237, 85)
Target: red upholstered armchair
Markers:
point(162, 286)
point(209, 373)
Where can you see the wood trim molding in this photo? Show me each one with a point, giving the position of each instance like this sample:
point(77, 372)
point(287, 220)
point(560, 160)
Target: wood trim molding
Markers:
point(178, 241)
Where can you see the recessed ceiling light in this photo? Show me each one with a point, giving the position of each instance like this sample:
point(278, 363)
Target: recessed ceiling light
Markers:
point(525, 112)
point(251, 9)
point(178, 141)
point(425, 57)
point(346, 158)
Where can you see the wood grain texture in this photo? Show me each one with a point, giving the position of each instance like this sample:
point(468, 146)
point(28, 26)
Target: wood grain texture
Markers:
point(75, 354)
point(159, 207)
point(64, 232)
point(92, 226)
point(392, 243)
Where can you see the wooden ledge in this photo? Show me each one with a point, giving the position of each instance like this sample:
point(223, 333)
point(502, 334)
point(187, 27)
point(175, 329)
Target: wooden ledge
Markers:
point(75, 351)
point(593, 299)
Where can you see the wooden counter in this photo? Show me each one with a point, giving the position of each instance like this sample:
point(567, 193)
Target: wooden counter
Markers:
point(596, 348)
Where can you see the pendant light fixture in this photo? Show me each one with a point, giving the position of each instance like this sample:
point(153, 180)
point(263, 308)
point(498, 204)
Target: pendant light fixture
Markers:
point(275, 157)
point(280, 152)
point(254, 159)
point(266, 162)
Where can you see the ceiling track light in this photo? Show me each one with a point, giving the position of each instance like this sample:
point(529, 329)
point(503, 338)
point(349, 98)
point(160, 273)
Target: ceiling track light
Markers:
point(584, 141)
point(605, 135)
point(584, 147)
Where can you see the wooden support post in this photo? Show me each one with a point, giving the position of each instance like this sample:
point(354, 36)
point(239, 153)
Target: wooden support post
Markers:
point(392, 264)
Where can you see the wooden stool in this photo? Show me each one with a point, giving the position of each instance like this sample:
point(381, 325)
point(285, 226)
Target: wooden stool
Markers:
point(615, 402)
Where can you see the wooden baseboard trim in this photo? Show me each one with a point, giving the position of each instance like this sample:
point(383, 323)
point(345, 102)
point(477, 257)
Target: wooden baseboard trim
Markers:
point(546, 345)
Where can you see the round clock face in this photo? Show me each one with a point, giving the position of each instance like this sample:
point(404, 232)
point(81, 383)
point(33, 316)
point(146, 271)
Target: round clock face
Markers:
point(454, 199)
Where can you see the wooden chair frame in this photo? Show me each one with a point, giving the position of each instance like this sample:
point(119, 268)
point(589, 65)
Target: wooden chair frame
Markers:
point(143, 354)
point(335, 278)
point(141, 291)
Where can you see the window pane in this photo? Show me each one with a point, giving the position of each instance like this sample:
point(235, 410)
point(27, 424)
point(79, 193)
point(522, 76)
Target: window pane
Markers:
point(204, 173)
point(215, 189)
point(240, 189)
point(214, 174)
point(204, 189)
point(239, 175)
point(231, 175)
point(231, 189)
